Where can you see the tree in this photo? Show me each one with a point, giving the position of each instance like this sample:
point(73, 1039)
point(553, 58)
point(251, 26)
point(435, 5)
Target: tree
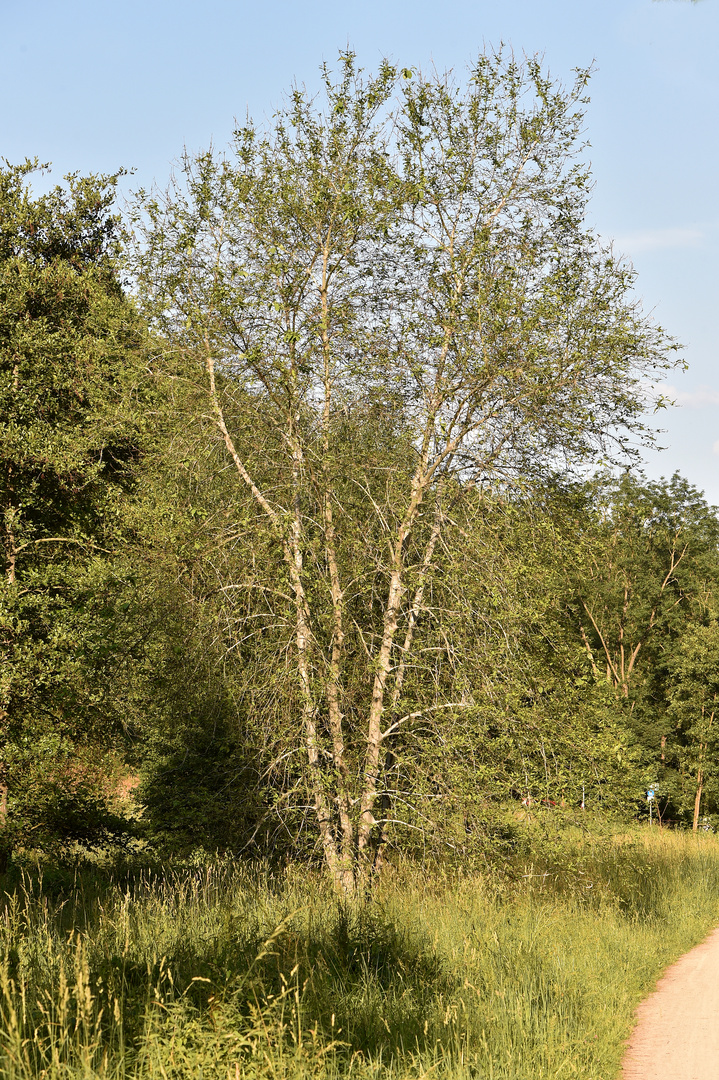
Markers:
point(376, 306)
point(68, 336)
point(534, 726)
point(646, 575)
point(694, 704)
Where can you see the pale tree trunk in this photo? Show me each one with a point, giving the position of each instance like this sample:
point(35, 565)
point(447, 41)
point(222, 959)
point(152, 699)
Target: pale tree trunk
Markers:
point(613, 675)
point(698, 798)
point(621, 667)
point(367, 823)
point(11, 554)
point(303, 638)
point(424, 472)
point(11, 517)
point(346, 868)
point(700, 773)
point(5, 847)
point(590, 654)
point(401, 668)
point(339, 865)
point(383, 667)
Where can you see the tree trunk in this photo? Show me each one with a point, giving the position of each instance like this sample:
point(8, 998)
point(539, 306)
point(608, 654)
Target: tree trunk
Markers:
point(698, 799)
point(385, 801)
point(5, 845)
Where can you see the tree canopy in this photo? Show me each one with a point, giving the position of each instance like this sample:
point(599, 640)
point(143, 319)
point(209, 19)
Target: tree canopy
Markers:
point(68, 336)
point(383, 304)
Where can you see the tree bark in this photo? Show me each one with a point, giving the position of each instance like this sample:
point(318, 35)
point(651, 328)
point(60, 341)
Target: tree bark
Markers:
point(5, 846)
point(402, 667)
point(698, 799)
point(333, 680)
point(11, 553)
point(367, 822)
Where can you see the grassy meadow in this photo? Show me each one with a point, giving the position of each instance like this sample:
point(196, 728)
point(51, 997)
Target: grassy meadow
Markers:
point(530, 970)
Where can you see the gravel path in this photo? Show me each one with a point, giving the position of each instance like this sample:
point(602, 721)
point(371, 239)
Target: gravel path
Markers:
point(677, 1032)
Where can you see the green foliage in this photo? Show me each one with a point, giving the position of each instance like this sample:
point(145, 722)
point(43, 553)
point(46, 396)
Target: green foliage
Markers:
point(201, 788)
point(644, 580)
point(68, 343)
point(527, 721)
point(693, 706)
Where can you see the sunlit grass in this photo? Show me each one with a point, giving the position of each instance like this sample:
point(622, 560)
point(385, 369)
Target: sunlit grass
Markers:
point(530, 971)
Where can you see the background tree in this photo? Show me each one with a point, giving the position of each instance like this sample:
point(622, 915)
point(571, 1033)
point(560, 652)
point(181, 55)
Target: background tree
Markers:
point(694, 703)
point(182, 687)
point(533, 723)
point(646, 574)
point(69, 340)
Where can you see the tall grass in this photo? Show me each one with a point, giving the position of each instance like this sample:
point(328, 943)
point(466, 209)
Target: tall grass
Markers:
point(229, 972)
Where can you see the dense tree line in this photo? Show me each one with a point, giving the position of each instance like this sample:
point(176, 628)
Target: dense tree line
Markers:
point(296, 519)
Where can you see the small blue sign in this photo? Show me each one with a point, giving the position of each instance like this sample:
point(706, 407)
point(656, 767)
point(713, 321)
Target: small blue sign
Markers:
point(650, 794)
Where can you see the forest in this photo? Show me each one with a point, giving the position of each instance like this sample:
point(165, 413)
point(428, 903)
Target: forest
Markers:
point(327, 548)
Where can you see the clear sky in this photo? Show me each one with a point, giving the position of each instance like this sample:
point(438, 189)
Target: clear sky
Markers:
point(92, 85)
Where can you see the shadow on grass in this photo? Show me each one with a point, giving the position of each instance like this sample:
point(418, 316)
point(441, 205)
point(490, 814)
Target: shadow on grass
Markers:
point(224, 947)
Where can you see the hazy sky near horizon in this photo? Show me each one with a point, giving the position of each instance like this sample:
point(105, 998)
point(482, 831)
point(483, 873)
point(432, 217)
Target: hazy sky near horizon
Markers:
point(93, 86)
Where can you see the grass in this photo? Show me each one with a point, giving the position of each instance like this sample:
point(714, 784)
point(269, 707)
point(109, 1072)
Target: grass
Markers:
point(230, 972)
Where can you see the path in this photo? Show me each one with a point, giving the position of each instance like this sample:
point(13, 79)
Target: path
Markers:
point(677, 1033)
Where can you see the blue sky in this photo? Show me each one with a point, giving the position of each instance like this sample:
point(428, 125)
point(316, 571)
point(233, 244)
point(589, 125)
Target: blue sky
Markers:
point(92, 85)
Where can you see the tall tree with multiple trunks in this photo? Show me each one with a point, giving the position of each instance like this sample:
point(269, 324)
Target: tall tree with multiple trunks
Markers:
point(67, 338)
point(376, 305)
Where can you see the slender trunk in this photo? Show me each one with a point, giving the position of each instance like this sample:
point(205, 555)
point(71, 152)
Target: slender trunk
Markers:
point(10, 557)
point(622, 671)
point(590, 654)
point(5, 843)
point(333, 696)
point(341, 872)
point(343, 799)
point(5, 846)
point(11, 553)
point(698, 798)
point(374, 731)
point(402, 667)
point(396, 590)
point(612, 673)
point(421, 480)
point(700, 770)
point(416, 605)
point(292, 554)
point(10, 521)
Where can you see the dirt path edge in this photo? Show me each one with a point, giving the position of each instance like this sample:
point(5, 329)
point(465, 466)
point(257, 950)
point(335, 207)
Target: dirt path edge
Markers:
point(677, 1032)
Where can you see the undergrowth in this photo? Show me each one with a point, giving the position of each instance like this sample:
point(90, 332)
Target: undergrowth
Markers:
point(233, 972)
